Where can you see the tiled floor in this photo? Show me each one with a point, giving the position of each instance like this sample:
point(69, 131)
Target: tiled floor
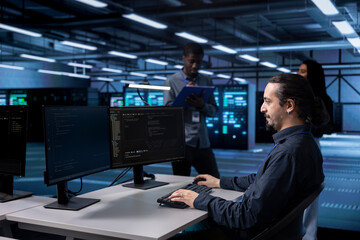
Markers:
point(339, 203)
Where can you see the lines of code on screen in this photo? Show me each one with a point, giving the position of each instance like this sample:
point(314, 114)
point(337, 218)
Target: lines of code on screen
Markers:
point(144, 135)
point(77, 142)
point(13, 120)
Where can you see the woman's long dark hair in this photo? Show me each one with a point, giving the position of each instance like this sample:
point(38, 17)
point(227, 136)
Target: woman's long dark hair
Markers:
point(316, 77)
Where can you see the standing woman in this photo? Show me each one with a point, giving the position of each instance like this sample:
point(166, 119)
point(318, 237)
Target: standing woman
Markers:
point(314, 73)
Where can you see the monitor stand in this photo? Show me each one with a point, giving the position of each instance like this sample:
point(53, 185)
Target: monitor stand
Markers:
point(139, 181)
point(6, 189)
point(64, 202)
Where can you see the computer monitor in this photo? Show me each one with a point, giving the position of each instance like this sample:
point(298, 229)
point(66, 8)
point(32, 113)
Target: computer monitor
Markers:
point(116, 101)
point(3, 97)
point(77, 144)
point(18, 98)
point(13, 132)
point(132, 98)
point(155, 98)
point(146, 135)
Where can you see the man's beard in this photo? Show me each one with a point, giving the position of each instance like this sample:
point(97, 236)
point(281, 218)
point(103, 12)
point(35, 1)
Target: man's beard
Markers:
point(270, 128)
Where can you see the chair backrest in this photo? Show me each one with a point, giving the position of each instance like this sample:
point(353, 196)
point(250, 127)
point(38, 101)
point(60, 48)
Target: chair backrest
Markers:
point(290, 216)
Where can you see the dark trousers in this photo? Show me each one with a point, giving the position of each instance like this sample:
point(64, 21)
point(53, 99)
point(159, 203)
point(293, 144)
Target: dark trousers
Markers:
point(203, 160)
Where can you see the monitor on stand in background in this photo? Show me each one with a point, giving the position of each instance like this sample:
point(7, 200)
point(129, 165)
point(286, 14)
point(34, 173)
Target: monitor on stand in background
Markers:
point(77, 144)
point(13, 132)
point(146, 135)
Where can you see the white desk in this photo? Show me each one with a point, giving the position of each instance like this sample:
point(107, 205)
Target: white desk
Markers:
point(19, 205)
point(122, 213)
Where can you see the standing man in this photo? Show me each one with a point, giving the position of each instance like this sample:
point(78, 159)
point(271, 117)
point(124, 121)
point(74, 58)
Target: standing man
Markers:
point(198, 152)
point(289, 173)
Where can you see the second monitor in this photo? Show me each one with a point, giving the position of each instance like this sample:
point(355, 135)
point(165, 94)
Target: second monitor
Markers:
point(146, 135)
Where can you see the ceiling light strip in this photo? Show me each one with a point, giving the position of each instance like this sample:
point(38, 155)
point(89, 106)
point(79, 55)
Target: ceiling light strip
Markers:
point(191, 37)
point(223, 76)
point(240, 79)
point(150, 60)
point(80, 65)
point(268, 64)
point(149, 87)
point(111, 70)
point(355, 42)
point(121, 54)
point(64, 73)
point(37, 58)
point(105, 79)
point(11, 67)
point(282, 69)
point(249, 57)
point(344, 27)
point(93, 3)
point(145, 21)
point(50, 72)
point(224, 49)
point(326, 7)
point(79, 45)
point(19, 30)
point(160, 77)
point(206, 72)
point(178, 66)
point(138, 74)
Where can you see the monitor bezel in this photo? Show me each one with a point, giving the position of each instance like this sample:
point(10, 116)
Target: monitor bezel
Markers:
point(46, 172)
point(152, 161)
point(23, 159)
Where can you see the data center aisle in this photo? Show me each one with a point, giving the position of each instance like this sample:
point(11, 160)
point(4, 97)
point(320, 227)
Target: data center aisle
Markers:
point(339, 206)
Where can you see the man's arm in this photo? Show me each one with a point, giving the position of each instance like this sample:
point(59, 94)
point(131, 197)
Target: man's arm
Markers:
point(237, 183)
point(210, 108)
point(264, 200)
point(169, 96)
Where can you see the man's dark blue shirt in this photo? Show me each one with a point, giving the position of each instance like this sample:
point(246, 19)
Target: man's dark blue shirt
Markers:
point(288, 174)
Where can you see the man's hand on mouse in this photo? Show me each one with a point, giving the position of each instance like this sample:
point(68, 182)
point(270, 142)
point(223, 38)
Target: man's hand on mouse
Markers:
point(186, 196)
point(208, 180)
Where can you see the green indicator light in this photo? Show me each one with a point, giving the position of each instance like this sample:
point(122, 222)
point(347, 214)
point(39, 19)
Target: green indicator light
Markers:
point(224, 129)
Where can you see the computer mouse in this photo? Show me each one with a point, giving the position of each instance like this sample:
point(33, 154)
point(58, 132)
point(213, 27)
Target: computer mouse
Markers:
point(198, 180)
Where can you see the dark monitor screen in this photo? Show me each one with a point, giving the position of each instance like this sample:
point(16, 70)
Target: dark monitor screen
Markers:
point(146, 135)
point(13, 131)
point(77, 142)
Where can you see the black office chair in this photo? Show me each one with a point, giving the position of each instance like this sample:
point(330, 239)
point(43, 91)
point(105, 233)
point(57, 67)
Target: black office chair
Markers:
point(292, 217)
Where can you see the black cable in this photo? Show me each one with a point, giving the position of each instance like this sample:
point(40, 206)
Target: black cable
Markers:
point(120, 176)
point(123, 173)
point(146, 103)
point(75, 193)
point(149, 175)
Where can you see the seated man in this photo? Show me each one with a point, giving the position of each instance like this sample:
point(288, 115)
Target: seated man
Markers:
point(289, 173)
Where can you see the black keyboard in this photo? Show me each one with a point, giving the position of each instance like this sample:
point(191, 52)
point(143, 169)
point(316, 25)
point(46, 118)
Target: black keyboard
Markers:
point(165, 201)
